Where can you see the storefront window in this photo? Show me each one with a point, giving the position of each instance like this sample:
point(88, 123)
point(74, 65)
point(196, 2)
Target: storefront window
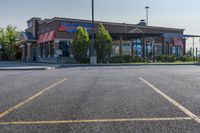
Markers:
point(158, 49)
point(137, 46)
point(46, 50)
point(41, 50)
point(64, 46)
point(149, 51)
point(126, 49)
point(176, 50)
point(52, 51)
point(115, 48)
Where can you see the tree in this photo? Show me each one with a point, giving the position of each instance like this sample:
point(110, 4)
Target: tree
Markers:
point(80, 45)
point(9, 38)
point(103, 44)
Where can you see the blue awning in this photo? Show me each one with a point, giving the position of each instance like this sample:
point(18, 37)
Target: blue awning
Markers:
point(170, 35)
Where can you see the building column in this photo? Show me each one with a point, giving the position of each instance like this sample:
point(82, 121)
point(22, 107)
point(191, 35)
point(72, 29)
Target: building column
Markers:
point(44, 50)
point(184, 46)
point(120, 46)
point(163, 45)
point(132, 51)
point(56, 49)
point(144, 49)
point(23, 53)
point(167, 49)
point(70, 50)
point(29, 52)
point(56, 46)
point(38, 51)
point(49, 49)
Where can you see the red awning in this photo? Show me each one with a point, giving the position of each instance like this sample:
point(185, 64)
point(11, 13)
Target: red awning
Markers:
point(177, 42)
point(40, 39)
point(44, 39)
point(51, 36)
point(47, 37)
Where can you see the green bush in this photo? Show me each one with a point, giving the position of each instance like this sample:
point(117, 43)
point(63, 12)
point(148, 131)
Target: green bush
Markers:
point(187, 58)
point(117, 59)
point(124, 59)
point(166, 58)
point(198, 59)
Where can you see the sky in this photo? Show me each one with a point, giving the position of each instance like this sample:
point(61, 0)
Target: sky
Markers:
point(183, 14)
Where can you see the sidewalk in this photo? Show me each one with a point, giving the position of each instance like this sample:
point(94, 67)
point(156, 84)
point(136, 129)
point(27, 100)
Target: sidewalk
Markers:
point(8, 65)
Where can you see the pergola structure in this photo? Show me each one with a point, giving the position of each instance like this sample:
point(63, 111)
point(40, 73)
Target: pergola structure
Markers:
point(163, 36)
point(132, 36)
point(184, 37)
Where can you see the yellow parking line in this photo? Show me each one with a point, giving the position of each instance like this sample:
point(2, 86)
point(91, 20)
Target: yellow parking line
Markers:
point(178, 105)
point(94, 121)
point(29, 99)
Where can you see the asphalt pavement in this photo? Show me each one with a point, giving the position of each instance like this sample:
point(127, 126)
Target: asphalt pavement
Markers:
point(101, 99)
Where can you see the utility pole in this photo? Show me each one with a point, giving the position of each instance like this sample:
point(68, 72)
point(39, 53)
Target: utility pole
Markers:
point(93, 58)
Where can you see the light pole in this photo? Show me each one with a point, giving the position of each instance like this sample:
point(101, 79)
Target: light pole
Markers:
point(93, 58)
point(147, 15)
point(193, 49)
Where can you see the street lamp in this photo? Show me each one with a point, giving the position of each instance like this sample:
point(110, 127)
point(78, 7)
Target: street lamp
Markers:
point(147, 14)
point(93, 58)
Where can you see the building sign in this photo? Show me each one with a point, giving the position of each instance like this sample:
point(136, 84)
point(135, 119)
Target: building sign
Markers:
point(72, 27)
point(30, 24)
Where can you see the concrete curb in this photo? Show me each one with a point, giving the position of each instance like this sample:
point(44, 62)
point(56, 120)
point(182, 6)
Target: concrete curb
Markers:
point(104, 65)
point(26, 68)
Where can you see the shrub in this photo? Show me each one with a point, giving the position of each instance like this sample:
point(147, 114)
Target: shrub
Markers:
point(80, 45)
point(187, 58)
point(166, 58)
point(117, 59)
point(103, 44)
point(198, 59)
point(124, 59)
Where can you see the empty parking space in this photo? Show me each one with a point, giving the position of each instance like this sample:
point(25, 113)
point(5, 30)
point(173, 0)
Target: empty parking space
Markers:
point(17, 87)
point(97, 99)
point(180, 82)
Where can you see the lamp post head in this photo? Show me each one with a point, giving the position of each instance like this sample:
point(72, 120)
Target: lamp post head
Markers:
point(147, 7)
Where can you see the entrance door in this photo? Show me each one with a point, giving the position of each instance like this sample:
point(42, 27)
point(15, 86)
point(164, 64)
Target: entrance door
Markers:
point(64, 46)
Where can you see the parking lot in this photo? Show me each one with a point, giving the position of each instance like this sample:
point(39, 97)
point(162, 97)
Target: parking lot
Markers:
point(109, 99)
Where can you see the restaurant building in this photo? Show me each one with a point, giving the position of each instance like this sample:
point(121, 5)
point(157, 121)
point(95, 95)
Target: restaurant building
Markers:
point(50, 40)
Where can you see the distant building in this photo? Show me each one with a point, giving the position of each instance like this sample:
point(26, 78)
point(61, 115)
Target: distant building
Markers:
point(50, 40)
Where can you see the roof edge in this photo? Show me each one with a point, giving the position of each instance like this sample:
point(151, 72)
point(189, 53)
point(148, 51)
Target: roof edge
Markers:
point(108, 23)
